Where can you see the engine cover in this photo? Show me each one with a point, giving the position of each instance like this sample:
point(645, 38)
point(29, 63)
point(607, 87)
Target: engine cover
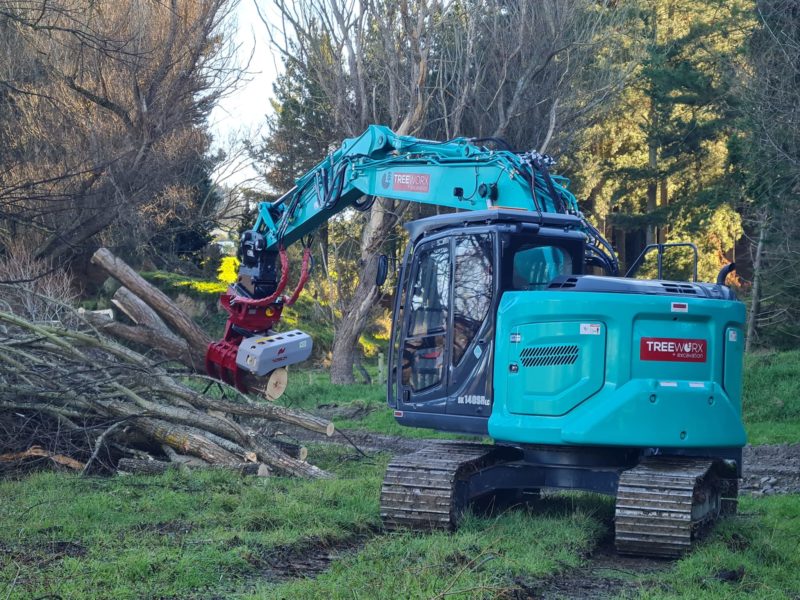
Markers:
point(262, 354)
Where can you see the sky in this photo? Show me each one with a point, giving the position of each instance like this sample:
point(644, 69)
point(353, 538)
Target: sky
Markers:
point(243, 111)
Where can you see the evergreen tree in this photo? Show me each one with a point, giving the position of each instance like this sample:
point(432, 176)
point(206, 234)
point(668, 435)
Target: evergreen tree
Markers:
point(664, 167)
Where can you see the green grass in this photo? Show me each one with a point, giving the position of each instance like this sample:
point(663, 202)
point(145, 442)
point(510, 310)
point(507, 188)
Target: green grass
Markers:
point(177, 535)
point(761, 545)
point(772, 397)
point(356, 406)
point(481, 561)
point(215, 534)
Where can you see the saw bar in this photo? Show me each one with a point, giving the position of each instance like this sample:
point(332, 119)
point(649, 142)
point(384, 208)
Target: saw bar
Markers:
point(426, 490)
point(665, 503)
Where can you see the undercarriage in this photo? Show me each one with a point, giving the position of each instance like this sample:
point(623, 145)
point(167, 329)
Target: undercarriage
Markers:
point(663, 502)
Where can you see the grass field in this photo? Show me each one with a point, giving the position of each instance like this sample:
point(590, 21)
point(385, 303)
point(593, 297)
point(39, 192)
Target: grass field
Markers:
point(214, 534)
point(772, 398)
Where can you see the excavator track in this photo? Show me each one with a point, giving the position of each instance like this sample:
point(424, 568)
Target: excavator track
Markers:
point(425, 490)
point(663, 504)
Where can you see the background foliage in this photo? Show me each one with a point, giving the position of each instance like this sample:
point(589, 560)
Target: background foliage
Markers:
point(675, 120)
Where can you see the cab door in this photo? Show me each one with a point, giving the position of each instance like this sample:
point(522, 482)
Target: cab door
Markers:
point(424, 345)
point(471, 349)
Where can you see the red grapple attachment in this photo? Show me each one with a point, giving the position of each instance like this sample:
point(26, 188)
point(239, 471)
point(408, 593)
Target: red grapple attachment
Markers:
point(243, 321)
point(248, 317)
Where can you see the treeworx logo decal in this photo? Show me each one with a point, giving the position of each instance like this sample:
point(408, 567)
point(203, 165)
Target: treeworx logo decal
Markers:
point(673, 349)
point(406, 182)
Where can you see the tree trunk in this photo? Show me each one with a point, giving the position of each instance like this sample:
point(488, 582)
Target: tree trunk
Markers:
point(622, 253)
point(139, 312)
point(663, 231)
point(354, 318)
point(170, 346)
point(755, 302)
point(185, 440)
point(652, 152)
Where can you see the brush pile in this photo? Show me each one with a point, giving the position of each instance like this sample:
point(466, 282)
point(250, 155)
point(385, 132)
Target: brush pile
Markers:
point(71, 394)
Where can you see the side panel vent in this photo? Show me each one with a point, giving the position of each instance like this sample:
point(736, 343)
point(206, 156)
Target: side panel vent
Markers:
point(548, 356)
point(679, 288)
point(569, 282)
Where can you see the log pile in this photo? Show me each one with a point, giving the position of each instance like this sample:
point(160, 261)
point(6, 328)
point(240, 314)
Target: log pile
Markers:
point(79, 379)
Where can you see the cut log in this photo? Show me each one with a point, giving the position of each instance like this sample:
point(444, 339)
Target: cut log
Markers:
point(156, 467)
point(269, 454)
point(185, 440)
point(183, 325)
point(294, 450)
point(276, 384)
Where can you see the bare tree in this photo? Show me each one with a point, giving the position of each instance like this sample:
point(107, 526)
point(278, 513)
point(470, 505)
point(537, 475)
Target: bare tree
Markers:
point(103, 116)
point(531, 70)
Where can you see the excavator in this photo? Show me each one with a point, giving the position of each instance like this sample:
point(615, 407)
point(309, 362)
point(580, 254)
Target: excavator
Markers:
point(511, 320)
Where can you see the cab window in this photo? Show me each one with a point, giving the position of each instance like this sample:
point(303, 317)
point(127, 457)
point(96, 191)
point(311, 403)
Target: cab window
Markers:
point(536, 266)
point(472, 289)
point(428, 316)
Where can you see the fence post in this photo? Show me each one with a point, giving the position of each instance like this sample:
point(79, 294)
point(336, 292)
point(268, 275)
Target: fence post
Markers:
point(381, 372)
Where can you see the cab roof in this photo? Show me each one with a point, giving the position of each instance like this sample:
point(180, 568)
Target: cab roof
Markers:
point(494, 215)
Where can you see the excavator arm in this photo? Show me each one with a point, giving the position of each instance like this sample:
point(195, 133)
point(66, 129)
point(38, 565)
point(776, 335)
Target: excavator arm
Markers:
point(456, 174)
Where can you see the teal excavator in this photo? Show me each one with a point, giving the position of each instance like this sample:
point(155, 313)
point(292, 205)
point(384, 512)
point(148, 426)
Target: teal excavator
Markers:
point(511, 321)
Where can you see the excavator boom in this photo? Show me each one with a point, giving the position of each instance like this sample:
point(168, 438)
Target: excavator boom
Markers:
point(458, 174)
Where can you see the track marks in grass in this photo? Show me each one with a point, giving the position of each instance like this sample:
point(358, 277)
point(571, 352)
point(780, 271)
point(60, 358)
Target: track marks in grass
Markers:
point(482, 559)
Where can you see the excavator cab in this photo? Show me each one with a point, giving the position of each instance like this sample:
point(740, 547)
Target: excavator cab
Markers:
point(455, 269)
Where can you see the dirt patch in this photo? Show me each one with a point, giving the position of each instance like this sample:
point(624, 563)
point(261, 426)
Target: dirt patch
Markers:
point(41, 554)
point(308, 559)
point(771, 469)
point(606, 574)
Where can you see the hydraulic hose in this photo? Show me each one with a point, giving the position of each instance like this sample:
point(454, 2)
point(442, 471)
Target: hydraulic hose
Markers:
point(304, 274)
